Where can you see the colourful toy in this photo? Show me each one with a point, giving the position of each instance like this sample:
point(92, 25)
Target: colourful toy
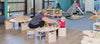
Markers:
point(47, 24)
point(62, 22)
point(51, 25)
point(55, 24)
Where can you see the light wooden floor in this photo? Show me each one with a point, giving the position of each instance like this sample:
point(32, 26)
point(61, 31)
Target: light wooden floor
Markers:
point(18, 37)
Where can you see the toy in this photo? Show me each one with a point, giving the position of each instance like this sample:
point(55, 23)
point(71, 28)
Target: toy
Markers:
point(47, 24)
point(51, 25)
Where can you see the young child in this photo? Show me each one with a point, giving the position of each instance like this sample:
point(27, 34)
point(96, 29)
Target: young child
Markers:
point(50, 6)
point(62, 30)
point(62, 22)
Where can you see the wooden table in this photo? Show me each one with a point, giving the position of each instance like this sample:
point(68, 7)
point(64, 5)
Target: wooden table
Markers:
point(47, 30)
point(18, 21)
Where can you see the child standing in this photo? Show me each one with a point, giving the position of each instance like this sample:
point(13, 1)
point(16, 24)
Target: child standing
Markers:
point(62, 30)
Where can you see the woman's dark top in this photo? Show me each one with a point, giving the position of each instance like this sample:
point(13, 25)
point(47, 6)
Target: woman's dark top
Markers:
point(37, 19)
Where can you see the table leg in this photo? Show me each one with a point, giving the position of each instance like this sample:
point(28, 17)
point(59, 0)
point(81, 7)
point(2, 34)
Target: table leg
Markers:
point(40, 35)
point(13, 25)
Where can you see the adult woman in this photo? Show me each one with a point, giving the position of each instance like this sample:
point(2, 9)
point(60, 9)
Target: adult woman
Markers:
point(58, 6)
point(40, 19)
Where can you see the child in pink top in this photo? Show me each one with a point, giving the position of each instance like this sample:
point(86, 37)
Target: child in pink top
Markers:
point(62, 22)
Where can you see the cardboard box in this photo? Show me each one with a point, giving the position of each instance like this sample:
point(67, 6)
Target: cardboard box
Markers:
point(51, 36)
point(8, 25)
point(62, 32)
point(24, 26)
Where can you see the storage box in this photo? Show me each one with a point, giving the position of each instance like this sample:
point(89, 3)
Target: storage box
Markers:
point(97, 27)
point(62, 32)
point(51, 36)
point(24, 26)
point(8, 25)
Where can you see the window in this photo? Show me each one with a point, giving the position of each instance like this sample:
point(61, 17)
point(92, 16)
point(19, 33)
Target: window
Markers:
point(17, 7)
point(47, 2)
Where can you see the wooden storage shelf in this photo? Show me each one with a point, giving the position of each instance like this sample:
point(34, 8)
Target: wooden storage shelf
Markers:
point(59, 12)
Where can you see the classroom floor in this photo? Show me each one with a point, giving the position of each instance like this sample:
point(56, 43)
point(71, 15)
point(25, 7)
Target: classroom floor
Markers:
point(18, 37)
point(74, 35)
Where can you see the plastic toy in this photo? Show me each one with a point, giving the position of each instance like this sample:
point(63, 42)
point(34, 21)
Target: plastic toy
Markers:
point(51, 25)
point(47, 24)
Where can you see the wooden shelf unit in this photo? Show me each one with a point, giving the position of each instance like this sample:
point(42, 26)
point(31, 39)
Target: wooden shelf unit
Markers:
point(56, 12)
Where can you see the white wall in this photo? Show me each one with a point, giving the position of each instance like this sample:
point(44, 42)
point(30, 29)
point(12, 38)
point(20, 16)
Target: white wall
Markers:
point(89, 5)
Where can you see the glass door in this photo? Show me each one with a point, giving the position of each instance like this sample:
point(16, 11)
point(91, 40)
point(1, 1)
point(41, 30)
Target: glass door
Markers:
point(17, 7)
point(96, 5)
point(48, 2)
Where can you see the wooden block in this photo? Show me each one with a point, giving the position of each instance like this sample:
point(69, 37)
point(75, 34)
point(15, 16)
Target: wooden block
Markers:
point(2, 0)
point(97, 27)
point(51, 36)
point(30, 31)
point(98, 13)
point(62, 32)
point(58, 12)
point(8, 25)
point(24, 26)
point(94, 17)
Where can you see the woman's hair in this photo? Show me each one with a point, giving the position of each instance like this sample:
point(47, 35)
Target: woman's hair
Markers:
point(43, 11)
point(58, 4)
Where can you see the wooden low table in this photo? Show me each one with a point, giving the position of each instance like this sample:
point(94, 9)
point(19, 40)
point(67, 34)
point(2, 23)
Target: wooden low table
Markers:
point(20, 21)
point(50, 33)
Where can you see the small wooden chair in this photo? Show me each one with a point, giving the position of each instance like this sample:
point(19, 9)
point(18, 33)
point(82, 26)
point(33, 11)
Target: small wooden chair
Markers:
point(62, 32)
point(30, 32)
point(8, 25)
